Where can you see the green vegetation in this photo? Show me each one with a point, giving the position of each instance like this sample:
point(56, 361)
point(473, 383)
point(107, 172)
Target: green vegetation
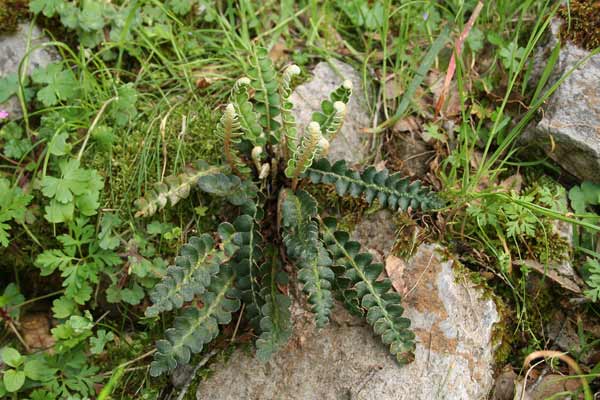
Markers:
point(139, 188)
point(246, 267)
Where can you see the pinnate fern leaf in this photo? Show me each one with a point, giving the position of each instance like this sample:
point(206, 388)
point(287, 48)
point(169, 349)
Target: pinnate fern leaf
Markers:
point(230, 131)
point(264, 81)
point(244, 109)
point(197, 263)
point(173, 189)
point(333, 110)
point(374, 294)
point(311, 146)
point(248, 258)
point(392, 190)
point(303, 246)
point(288, 121)
point(275, 324)
point(196, 327)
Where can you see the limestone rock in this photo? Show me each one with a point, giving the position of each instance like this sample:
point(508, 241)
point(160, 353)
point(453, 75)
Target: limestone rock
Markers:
point(14, 48)
point(453, 323)
point(350, 144)
point(569, 131)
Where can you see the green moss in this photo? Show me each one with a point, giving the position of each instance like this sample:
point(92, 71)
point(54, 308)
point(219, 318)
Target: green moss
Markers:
point(11, 12)
point(350, 209)
point(158, 144)
point(582, 23)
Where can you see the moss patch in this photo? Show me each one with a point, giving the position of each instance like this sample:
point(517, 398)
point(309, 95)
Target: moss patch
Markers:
point(11, 12)
point(582, 23)
point(349, 209)
point(159, 144)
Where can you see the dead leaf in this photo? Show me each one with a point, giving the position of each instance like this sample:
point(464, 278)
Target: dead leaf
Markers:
point(206, 76)
point(380, 166)
point(36, 331)
point(450, 103)
point(545, 387)
point(408, 124)
point(554, 276)
point(203, 83)
point(395, 267)
point(393, 87)
point(513, 182)
point(278, 51)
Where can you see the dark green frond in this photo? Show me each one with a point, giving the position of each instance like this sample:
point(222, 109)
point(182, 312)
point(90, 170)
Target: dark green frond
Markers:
point(374, 294)
point(316, 276)
point(196, 327)
point(247, 259)
point(264, 81)
point(275, 324)
point(248, 118)
point(236, 191)
point(197, 263)
point(173, 189)
point(303, 246)
point(393, 191)
point(288, 121)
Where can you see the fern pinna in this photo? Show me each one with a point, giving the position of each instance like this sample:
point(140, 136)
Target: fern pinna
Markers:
point(265, 159)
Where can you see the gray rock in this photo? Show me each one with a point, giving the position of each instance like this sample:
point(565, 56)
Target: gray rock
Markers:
point(350, 144)
point(182, 375)
point(377, 233)
point(569, 131)
point(454, 357)
point(14, 48)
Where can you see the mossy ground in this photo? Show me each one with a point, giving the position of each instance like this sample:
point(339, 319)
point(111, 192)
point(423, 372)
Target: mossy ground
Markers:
point(582, 23)
point(11, 13)
point(180, 134)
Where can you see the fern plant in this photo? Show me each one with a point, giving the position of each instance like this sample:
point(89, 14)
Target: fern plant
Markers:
point(277, 223)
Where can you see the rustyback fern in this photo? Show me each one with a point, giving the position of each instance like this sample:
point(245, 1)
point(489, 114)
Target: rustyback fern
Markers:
point(173, 189)
point(392, 190)
point(274, 226)
point(375, 295)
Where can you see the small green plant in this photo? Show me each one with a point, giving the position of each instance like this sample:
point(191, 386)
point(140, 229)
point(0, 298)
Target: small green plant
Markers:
point(583, 199)
point(265, 160)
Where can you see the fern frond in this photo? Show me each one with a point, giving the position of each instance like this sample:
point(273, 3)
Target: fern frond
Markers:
point(231, 187)
point(392, 191)
point(382, 306)
point(173, 189)
point(194, 268)
point(240, 98)
point(275, 324)
point(247, 259)
point(264, 82)
point(230, 131)
point(311, 146)
point(303, 246)
point(196, 327)
point(316, 276)
point(288, 121)
point(333, 110)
